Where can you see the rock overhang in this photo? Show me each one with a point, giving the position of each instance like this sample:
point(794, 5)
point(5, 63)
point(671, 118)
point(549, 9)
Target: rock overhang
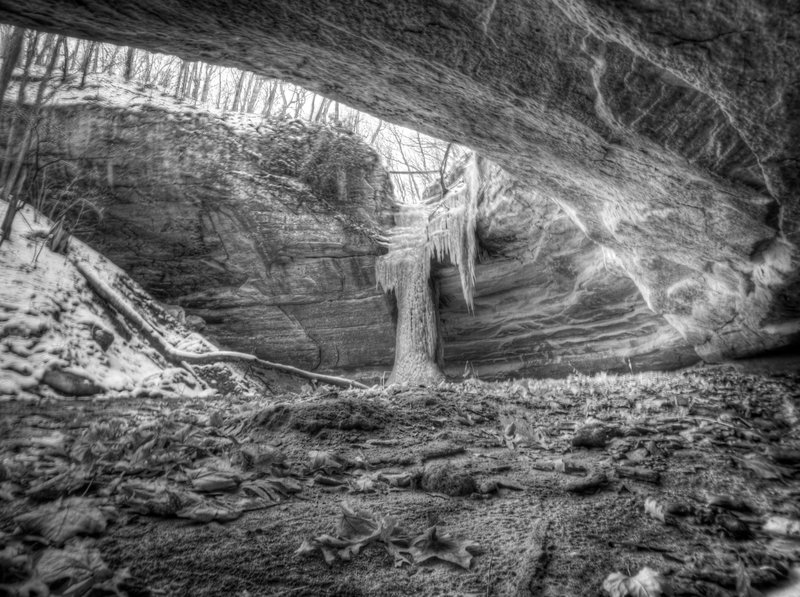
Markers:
point(669, 134)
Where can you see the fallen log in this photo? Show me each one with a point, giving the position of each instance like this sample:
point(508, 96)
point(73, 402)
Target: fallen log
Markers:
point(178, 357)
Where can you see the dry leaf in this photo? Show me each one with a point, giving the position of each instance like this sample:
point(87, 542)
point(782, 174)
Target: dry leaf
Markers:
point(358, 528)
point(431, 544)
point(763, 468)
point(263, 457)
point(211, 481)
point(207, 511)
point(647, 583)
point(58, 522)
point(271, 488)
point(75, 569)
point(655, 509)
point(358, 525)
point(155, 498)
point(363, 484)
point(32, 587)
point(397, 479)
point(323, 461)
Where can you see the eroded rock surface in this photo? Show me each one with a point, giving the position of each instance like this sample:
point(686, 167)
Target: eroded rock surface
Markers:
point(548, 301)
point(669, 132)
point(262, 231)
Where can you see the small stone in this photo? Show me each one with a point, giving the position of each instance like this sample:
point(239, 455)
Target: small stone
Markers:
point(70, 384)
point(638, 473)
point(446, 478)
point(593, 436)
point(734, 527)
point(638, 455)
point(103, 337)
point(587, 485)
point(262, 457)
point(786, 456)
point(195, 323)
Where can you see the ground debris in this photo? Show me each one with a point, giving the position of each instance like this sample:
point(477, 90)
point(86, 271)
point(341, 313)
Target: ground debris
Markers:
point(212, 496)
point(646, 583)
point(64, 519)
point(358, 527)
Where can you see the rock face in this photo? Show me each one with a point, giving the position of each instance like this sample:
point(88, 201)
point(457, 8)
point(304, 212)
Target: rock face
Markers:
point(668, 132)
point(263, 233)
point(548, 301)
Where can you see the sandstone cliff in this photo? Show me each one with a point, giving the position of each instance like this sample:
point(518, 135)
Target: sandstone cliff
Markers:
point(668, 132)
point(548, 301)
point(263, 230)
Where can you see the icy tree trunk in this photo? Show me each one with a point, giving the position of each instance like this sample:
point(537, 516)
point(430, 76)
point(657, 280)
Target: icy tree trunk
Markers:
point(417, 337)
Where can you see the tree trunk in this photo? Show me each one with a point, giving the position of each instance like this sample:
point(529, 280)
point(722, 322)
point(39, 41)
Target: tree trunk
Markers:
point(181, 80)
point(313, 102)
point(206, 83)
point(284, 103)
point(128, 72)
point(10, 58)
point(251, 104)
point(417, 335)
point(323, 109)
point(148, 69)
point(13, 178)
point(219, 90)
point(112, 61)
point(74, 55)
point(268, 103)
point(246, 94)
point(41, 57)
point(87, 60)
point(238, 93)
point(65, 66)
point(301, 95)
point(195, 81)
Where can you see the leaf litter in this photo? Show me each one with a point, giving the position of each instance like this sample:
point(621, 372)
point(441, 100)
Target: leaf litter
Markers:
point(357, 528)
point(697, 484)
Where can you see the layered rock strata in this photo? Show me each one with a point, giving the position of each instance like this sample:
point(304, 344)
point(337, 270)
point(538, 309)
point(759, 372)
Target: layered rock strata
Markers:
point(668, 132)
point(548, 301)
point(261, 232)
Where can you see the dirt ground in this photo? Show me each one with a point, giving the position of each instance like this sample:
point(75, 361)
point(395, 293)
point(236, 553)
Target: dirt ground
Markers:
point(514, 488)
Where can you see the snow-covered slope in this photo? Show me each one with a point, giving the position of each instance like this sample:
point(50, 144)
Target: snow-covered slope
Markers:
point(57, 338)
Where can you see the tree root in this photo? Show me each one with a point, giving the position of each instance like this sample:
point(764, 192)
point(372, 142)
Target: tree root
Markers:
point(181, 357)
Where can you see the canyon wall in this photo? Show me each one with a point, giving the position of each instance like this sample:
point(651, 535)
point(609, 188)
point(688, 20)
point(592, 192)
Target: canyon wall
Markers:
point(668, 132)
point(548, 301)
point(261, 232)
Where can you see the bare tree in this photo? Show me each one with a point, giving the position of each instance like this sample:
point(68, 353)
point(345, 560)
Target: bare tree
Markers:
point(16, 175)
point(238, 93)
point(257, 85)
point(11, 53)
point(272, 88)
point(87, 59)
point(206, 84)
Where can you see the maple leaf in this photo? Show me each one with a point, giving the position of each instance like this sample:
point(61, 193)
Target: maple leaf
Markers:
point(75, 569)
point(432, 544)
point(62, 520)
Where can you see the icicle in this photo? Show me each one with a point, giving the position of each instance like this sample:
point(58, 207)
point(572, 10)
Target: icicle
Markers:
point(447, 231)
